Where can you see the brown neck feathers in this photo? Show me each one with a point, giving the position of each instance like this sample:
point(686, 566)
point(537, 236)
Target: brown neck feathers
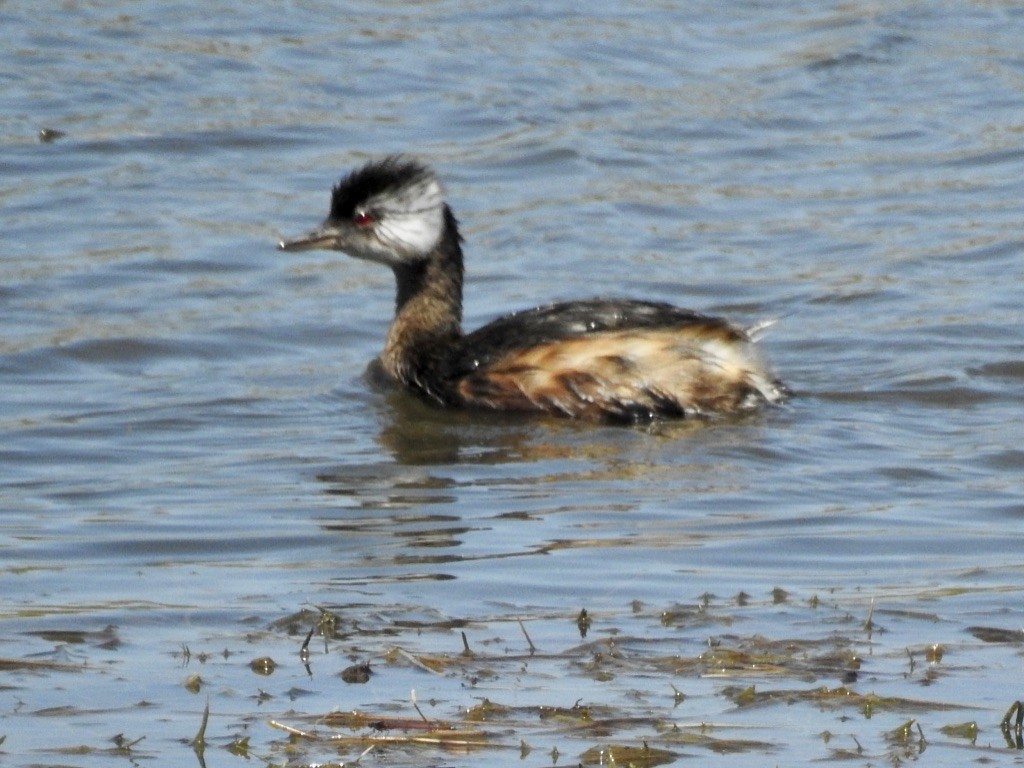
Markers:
point(428, 312)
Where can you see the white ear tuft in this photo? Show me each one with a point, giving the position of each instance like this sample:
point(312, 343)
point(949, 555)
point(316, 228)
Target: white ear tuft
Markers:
point(411, 217)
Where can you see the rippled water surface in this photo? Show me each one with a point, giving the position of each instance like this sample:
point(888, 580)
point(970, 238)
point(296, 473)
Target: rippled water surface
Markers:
point(194, 472)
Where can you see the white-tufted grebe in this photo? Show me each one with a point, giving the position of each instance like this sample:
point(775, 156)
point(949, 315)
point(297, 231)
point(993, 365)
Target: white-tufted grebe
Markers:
point(600, 359)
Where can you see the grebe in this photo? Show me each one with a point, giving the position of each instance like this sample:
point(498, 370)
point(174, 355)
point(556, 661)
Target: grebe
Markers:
point(599, 359)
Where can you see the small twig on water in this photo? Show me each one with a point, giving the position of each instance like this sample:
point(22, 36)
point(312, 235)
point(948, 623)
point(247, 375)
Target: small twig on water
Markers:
point(362, 755)
point(304, 650)
point(199, 742)
point(292, 730)
point(1017, 708)
point(868, 625)
point(417, 707)
point(414, 661)
point(533, 648)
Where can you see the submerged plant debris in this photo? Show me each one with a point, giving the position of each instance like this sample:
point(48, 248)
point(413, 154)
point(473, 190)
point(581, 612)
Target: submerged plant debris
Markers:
point(643, 686)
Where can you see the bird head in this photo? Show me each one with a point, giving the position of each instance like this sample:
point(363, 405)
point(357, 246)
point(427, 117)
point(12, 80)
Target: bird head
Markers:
point(391, 211)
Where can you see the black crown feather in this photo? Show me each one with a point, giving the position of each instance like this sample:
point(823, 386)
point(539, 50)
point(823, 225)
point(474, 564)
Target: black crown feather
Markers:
point(372, 179)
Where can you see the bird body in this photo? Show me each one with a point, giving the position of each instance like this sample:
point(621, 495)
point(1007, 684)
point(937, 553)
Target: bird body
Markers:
point(597, 359)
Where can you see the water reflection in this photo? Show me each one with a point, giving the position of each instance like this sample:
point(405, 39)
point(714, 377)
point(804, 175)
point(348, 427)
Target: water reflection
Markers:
point(415, 433)
point(385, 486)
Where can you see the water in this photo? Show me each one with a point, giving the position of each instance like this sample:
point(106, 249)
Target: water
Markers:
point(190, 454)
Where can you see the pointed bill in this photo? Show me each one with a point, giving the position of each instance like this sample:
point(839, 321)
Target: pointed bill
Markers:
point(324, 237)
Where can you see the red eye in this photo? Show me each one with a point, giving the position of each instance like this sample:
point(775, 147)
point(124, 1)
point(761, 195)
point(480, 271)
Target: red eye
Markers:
point(362, 219)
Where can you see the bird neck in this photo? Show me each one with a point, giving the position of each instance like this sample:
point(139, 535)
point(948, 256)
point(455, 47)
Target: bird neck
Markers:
point(428, 309)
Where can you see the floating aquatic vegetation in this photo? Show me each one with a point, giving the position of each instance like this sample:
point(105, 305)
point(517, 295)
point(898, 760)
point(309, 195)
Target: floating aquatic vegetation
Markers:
point(968, 731)
point(998, 635)
point(356, 674)
point(382, 731)
point(650, 685)
point(628, 756)
point(193, 683)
